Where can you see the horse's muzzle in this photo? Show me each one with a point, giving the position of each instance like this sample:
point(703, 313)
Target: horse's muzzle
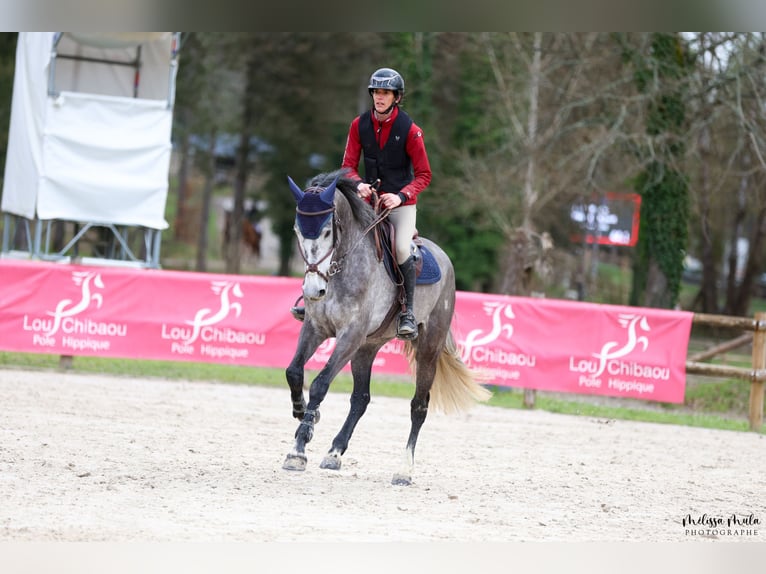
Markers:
point(319, 296)
point(314, 287)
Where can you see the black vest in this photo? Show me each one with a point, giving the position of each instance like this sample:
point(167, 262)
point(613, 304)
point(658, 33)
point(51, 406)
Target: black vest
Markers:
point(391, 164)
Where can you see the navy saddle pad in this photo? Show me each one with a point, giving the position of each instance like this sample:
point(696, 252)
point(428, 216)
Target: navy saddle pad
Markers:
point(430, 272)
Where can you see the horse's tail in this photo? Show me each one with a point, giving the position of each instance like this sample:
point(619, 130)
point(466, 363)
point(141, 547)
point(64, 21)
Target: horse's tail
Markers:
point(455, 386)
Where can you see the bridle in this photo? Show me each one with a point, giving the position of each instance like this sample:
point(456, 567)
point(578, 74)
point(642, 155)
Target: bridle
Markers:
point(335, 263)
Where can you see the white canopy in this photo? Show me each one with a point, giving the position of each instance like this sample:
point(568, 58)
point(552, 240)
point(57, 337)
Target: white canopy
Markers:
point(89, 138)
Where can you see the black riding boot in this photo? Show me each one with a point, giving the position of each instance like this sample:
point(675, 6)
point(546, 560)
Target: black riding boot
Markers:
point(408, 328)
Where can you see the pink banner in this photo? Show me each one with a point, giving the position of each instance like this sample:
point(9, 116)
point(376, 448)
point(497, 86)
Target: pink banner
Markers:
point(564, 346)
point(543, 344)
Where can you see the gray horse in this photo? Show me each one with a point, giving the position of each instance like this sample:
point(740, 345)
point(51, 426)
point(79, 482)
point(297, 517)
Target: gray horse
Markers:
point(349, 295)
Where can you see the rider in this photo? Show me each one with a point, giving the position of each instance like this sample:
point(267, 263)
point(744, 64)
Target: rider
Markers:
point(395, 156)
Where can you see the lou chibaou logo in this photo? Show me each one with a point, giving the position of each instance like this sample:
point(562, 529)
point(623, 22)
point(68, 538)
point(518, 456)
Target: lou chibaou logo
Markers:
point(617, 364)
point(70, 322)
point(205, 329)
point(478, 350)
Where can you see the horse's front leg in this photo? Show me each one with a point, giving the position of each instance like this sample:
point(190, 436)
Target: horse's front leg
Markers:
point(361, 369)
point(308, 343)
point(344, 349)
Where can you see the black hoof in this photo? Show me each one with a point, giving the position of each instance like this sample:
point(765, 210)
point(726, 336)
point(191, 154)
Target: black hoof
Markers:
point(295, 462)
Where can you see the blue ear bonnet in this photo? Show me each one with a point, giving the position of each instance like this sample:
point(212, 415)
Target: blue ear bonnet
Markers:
point(312, 202)
point(315, 207)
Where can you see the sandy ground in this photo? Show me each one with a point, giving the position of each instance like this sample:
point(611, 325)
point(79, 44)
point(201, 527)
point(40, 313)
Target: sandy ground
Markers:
point(97, 458)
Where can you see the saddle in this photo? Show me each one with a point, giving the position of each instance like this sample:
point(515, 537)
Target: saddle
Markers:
point(427, 269)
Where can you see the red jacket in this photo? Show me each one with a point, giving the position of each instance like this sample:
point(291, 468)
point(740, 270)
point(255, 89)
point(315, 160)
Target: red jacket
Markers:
point(416, 150)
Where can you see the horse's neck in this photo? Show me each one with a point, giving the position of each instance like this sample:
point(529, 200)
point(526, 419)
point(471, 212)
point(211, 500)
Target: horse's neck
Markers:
point(358, 241)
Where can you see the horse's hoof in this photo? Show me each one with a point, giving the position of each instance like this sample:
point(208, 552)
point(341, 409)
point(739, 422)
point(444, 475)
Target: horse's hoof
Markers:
point(401, 480)
point(295, 462)
point(331, 462)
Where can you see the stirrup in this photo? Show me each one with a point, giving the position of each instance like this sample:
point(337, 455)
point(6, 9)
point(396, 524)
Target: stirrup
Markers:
point(407, 328)
point(298, 312)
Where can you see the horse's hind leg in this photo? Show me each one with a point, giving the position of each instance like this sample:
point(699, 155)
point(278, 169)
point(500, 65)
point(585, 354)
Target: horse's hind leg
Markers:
point(425, 372)
point(361, 369)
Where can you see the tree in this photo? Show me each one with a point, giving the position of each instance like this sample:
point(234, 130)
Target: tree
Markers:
point(550, 120)
point(304, 103)
point(202, 109)
point(7, 67)
point(661, 72)
point(746, 103)
point(725, 145)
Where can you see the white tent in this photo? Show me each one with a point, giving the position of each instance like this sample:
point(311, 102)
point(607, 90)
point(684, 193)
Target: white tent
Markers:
point(89, 139)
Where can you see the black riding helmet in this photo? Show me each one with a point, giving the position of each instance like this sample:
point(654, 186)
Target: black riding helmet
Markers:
point(387, 79)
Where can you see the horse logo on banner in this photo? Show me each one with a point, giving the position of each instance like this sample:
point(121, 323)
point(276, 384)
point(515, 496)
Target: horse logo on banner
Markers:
point(86, 280)
point(630, 322)
point(499, 313)
point(206, 317)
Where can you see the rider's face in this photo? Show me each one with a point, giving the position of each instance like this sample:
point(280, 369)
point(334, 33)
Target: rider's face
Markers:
point(382, 99)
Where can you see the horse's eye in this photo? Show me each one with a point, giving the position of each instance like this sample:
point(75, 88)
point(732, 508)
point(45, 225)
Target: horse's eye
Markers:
point(326, 233)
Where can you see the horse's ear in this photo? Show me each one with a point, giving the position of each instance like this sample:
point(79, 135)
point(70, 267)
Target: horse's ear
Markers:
point(297, 191)
point(328, 193)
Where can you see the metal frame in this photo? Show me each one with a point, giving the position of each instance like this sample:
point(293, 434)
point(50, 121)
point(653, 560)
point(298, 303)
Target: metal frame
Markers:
point(36, 239)
point(36, 234)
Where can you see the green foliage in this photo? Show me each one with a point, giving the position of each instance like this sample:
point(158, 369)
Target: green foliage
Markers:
point(472, 131)
point(471, 244)
point(663, 233)
point(728, 396)
point(411, 54)
point(462, 227)
point(7, 66)
point(304, 103)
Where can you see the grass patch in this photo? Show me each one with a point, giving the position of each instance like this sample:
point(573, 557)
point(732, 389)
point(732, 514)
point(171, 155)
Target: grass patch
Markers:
point(722, 396)
point(652, 413)
point(706, 401)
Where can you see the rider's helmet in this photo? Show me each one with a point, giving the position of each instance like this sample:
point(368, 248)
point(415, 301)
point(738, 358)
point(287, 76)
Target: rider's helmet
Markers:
point(387, 79)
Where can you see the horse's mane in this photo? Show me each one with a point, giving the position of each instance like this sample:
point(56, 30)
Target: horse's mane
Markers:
point(360, 209)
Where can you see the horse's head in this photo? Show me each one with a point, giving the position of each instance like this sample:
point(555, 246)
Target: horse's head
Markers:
point(315, 227)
